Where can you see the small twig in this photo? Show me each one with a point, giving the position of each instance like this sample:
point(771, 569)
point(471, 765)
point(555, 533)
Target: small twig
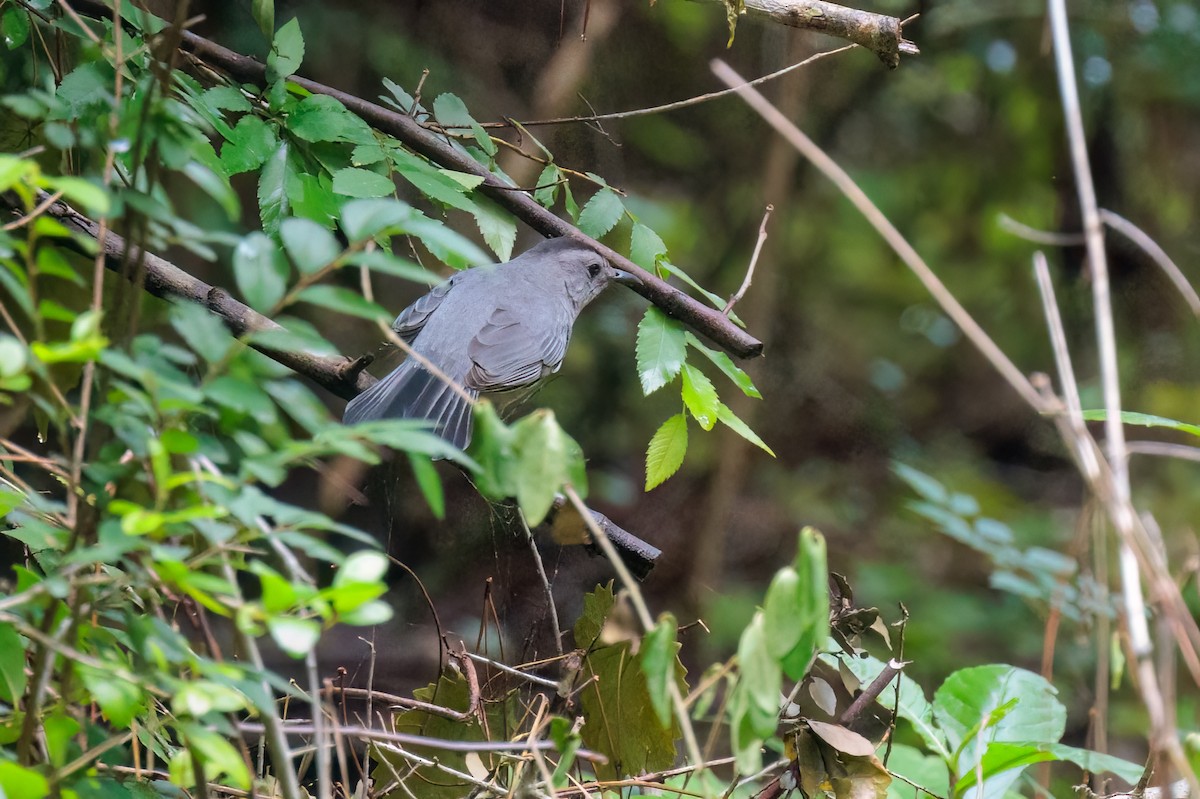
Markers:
point(405, 739)
point(533, 678)
point(1046, 237)
point(405, 702)
point(891, 670)
point(1163, 449)
point(762, 237)
point(556, 628)
point(48, 201)
point(675, 106)
point(1156, 253)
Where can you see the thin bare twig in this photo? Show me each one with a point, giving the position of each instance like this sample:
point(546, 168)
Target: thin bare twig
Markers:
point(762, 237)
point(556, 628)
point(1156, 253)
point(668, 107)
point(1047, 237)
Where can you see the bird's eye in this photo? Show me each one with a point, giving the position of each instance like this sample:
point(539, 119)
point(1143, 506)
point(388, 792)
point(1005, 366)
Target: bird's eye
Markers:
point(593, 270)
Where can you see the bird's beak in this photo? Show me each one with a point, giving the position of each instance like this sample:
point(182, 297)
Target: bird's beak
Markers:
point(628, 278)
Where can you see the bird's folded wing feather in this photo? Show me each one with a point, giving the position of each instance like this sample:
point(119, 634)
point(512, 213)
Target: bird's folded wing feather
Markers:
point(511, 351)
point(410, 321)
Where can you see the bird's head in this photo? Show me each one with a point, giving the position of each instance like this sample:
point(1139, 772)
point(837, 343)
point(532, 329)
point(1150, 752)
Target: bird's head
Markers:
point(584, 271)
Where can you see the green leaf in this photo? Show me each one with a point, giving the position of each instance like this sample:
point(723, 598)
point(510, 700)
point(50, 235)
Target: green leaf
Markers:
point(783, 609)
point(601, 214)
point(431, 181)
point(364, 566)
point(294, 636)
point(811, 604)
point(430, 484)
point(309, 245)
point(447, 245)
point(547, 186)
point(1143, 420)
point(658, 663)
point(978, 706)
point(81, 192)
point(665, 454)
point(726, 365)
point(261, 271)
point(263, 12)
point(272, 190)
point(364, 219)
point(700, 396)
point(730, 420)
point(451, 112)
point(542, 463)
point(287, 51)
point(14, 26)
point(661, 350)
point(620, 719)
point(343, 300)
point(645, 247)
point(202, 331)
point(251, 143)
point(754, 705)
point(1098, 762)
point(12, 665)
point(18, 782)
point(355, 182)
point(388, 264)
point(319, 118)
point(493, 447)
point(120, 701)
point(499, 228)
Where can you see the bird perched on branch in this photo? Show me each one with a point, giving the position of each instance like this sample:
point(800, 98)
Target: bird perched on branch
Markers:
point(491, 330)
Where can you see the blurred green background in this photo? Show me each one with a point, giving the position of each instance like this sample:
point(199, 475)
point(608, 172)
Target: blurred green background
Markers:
point(861, 368)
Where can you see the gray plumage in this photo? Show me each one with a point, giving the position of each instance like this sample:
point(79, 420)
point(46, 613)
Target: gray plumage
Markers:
point(492, 329)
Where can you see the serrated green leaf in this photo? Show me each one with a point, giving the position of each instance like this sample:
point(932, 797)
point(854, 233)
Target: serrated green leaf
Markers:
point(309, 245)
point(700, 396)
point(388, 264)
point(365, 219)
point(287, 51)
point(363, 183)
point(730, 420)
point(540, 447)
point(83, 192)
point(19, 782)
point(499, 228)
point(645, 247)
point(430, 181)
point(215, 186)
point(343, 300)
point(601, 214)
point(661, 350)
point(546, 191)
point(120, 701)
point(319, 118)
point(451, 112)
point(261, 271)
point(272, 190)
point(251, 143)
point(665, 454)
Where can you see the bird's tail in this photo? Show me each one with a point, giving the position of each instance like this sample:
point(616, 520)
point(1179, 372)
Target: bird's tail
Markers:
point(412, 392)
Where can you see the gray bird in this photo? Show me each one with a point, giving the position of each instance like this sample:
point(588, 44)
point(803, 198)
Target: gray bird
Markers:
point(492, 330)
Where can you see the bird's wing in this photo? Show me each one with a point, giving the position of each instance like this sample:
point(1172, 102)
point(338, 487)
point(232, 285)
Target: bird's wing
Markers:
point(511, 351)
point(410, 321)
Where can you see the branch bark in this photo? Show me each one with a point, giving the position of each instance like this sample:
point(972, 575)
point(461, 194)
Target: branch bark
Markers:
point(705, 320)
point(879, 33)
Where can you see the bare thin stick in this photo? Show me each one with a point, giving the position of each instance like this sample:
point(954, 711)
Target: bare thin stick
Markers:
point(1163, 449)
point(533, 678)
point(1048, 237)
point(868, 209)
point(541, 570)
point(762, 237)
point(1156, 253)
point(661, 109)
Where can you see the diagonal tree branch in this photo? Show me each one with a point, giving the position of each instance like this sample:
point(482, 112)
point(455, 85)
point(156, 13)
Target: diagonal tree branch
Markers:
point(703, 319)
point(878, 33)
